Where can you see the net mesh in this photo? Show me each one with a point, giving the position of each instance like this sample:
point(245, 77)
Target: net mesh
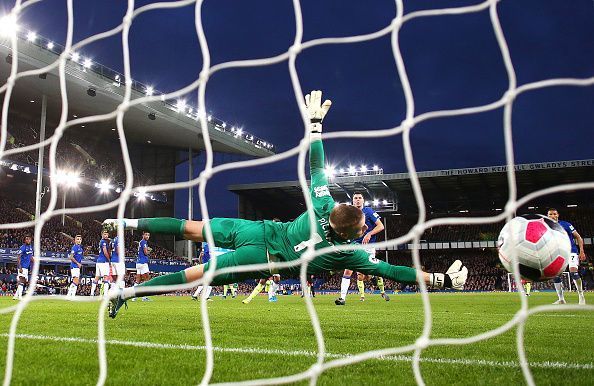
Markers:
point(424, 341)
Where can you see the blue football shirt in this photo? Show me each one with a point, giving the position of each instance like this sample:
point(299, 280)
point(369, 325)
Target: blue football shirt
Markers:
point(26, 254)
point(569, 229)
point(142, 258)
point(77, 252)
point(102, 258)
point(371, 218)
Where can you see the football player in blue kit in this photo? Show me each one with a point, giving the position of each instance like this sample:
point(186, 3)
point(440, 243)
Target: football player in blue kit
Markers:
point(24, 262)
point(374, 226)
point(574, 259)
point(75, 256)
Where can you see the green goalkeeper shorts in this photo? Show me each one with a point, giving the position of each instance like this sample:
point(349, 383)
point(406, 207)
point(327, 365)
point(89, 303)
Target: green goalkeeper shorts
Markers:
point(247, 239)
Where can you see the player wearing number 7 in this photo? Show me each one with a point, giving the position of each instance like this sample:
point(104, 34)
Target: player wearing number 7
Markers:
point(262, 242)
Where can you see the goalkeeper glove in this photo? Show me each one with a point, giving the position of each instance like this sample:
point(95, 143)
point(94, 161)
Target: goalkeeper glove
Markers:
point(316, 110)
point(455, 277)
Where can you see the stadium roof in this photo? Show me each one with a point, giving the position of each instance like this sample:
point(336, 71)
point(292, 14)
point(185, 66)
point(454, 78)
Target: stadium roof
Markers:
point(468, 189)
point(170, 128)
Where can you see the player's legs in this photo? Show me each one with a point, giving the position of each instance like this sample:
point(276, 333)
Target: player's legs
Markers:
point(382, 288)
point(228, 233)
point(242, 256)
point(257, 289)
point(273, 288)
point(144, 278)
point(345, 283)
point(225, 289)
point(574, 264)
point(95, 281)
point(361, 285)
point(527, 287)
point(197, 292)
point(559, 288)
point(22, 281)
point(75, 273)
point(103, 273)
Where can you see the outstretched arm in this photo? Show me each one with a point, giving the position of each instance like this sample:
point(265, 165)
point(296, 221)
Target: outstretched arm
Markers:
point(360, 261)
point(319, 181)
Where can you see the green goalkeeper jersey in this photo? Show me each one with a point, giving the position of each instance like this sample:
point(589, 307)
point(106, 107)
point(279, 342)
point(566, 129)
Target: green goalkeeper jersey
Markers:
point(287, 241)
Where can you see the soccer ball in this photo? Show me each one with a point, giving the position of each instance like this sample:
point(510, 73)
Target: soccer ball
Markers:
point(541, 246)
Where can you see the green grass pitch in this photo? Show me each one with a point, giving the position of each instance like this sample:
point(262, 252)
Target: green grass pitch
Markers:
point(56, 345)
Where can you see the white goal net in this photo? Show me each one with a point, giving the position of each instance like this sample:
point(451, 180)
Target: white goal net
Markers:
point(405, 128)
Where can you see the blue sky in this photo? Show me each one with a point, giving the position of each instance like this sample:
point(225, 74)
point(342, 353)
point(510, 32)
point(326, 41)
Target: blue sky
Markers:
point(452, 62)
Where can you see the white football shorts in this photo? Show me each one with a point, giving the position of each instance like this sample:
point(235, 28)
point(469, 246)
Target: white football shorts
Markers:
point(574, 260)
point(75, 272)
point(142, 269)
point(119, 268)
point(102, 269)
point(25, 273)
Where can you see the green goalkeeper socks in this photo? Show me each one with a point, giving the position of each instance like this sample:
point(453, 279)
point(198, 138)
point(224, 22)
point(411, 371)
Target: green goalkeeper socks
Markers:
point(163, 225)
point(171, 279)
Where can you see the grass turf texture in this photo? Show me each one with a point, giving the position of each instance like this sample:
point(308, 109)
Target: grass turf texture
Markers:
point(285, 326)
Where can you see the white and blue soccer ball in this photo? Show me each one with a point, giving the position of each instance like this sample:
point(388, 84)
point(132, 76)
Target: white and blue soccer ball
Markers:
point(541, 246)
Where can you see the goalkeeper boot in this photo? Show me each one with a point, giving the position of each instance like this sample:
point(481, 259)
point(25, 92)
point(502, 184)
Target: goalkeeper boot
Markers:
point(272, 299)
point(362, 299)
point(115, 303)
point(560, 301)
point(194, 297)
point(385, 296)
point(340, 302)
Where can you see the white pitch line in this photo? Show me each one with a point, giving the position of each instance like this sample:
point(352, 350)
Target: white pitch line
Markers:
point(304, 353)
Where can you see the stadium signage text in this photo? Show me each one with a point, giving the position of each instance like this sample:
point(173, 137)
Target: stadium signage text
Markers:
point(521, 167)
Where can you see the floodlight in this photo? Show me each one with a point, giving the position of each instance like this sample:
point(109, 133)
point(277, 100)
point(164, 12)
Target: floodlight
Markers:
point(87, 63)
point(75, 57)
point(8, 25)
point(149, 91)
point(352, 169)
point(385, 202)
point(31, 36)
point(209, 118)
point(181, 105)
point(224, 125)
point(104, 186)
point(27, 170)
point(363, 168)
point(239, 133)
point(72, 180)
point(14, 167)
point(375, 202)
point(50, 45)
point(375, 168)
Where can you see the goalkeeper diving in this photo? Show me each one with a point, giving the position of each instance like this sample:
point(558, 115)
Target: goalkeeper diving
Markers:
point(263, 242)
